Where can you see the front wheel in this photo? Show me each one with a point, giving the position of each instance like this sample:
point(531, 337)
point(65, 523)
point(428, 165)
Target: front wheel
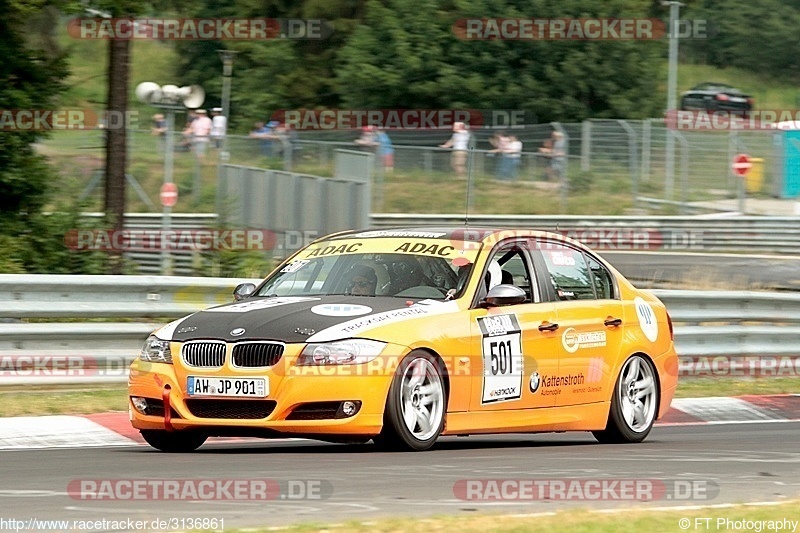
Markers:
point(173, 441)
point(415, 407)
point(634, 403)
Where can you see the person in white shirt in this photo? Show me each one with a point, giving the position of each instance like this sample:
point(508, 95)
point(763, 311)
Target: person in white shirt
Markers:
point(201, 129)
point(219, 125)
point(513, 153)
point(459, 142)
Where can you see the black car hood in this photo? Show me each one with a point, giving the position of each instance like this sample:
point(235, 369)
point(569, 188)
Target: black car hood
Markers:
point(290, 319)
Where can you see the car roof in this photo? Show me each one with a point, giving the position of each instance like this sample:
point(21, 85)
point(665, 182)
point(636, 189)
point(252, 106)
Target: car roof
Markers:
point(710, 84)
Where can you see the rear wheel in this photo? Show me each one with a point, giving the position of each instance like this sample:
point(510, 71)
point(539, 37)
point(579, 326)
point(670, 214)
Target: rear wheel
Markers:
point(634, 403)
point(415, 407)
point(173, 441)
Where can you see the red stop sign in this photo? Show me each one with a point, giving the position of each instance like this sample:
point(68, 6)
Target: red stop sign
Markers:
point(169, 194)
point(742, 164)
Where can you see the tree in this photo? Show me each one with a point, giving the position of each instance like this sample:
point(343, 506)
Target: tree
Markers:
point(758, 36)
point(30, 79)
point(406, 54)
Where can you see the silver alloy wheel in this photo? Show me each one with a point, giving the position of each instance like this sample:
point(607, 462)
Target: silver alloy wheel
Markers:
point(422, 399)
point(637, 394)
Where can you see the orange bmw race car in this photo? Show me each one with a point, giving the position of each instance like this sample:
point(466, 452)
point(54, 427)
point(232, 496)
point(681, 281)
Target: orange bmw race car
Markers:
point(404, 335)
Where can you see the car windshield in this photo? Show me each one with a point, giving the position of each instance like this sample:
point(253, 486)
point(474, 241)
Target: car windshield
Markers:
point(437, 271)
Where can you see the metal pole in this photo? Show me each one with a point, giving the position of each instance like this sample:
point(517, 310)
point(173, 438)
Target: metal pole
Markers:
point(227, 72)
point(227, 57)
point(672, 83)
point(166, 259)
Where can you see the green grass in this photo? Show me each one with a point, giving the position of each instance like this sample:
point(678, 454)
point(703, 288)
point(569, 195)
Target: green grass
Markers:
point(66, 400)
point(574, 521)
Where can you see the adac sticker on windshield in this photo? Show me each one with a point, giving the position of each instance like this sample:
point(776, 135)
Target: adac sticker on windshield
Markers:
point(335, 250)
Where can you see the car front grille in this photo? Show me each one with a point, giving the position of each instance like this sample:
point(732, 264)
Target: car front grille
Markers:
point(256, 354)
point(206, 354)
point(231, 409)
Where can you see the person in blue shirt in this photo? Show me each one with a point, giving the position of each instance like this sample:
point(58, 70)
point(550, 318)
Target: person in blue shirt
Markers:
point(263, 132)
point(385, 150)
point(377, 139)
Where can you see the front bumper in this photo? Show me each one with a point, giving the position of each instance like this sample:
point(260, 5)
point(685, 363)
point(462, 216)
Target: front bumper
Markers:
point(292, 389)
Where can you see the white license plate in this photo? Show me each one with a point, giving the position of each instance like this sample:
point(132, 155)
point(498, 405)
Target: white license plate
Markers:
point(235, 387)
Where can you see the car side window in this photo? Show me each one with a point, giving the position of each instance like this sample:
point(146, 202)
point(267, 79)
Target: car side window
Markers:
point(512, 268)
point(569, 272)
point(603, 280)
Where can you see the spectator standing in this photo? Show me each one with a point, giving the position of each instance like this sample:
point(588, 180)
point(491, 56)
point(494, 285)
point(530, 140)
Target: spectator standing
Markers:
point(186, 142)
point(513, 156)
point(559, 156)
point(378, 140)
point(499, 143)
point(219, 127)
point(385, 150)
point(546, 151)
point(459, 142)
point(367, 137)
point(264, 134)
point(201, 131)
point(159, 128)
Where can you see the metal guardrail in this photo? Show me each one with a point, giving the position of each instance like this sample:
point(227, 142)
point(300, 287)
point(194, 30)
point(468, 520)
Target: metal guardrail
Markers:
point(705, 233)
point(729, 324)
point(676, 233)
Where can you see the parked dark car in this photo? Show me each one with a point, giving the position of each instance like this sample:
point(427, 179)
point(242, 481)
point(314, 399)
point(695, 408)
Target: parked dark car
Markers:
point(710, 96)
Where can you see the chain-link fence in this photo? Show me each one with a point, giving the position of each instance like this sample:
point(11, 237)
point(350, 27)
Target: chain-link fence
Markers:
point(608, 167)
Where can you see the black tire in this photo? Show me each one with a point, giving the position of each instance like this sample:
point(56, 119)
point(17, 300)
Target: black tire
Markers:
point(173, 441)
point(416, 405)
point(634, 403)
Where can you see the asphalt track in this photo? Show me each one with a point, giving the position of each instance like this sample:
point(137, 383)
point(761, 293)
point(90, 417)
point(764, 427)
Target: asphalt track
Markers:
point(737, 272)
point(747, 462)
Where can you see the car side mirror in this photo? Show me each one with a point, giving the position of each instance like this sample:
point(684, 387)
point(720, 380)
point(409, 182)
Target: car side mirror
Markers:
point(242, 291)
point(504, 294)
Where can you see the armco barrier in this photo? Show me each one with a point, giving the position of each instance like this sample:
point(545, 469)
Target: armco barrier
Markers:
point(705, 233)
point(733, 324)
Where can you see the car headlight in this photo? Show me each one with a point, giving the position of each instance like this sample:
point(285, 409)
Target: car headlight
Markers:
point(156, 350)
point(346, 352)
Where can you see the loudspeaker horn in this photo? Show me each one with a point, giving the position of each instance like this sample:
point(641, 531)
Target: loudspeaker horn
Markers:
point(148, 92)
point(193, 96)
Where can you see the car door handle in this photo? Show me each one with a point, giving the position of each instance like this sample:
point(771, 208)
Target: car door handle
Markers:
point(548, 326)
point(611, 321)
